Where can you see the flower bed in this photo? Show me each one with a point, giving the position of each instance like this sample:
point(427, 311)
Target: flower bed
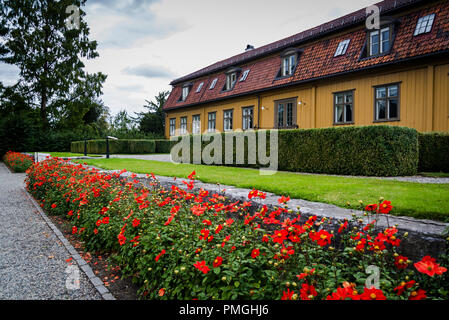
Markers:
point(18, 162)
point(180, 244)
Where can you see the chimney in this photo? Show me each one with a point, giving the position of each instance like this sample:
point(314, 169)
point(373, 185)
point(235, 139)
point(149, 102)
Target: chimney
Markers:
point(249, 47)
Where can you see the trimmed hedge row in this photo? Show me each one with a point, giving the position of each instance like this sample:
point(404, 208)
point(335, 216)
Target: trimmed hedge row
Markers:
point(367, 151)
point(164, 146)
point(434, 152)
point(122, 146)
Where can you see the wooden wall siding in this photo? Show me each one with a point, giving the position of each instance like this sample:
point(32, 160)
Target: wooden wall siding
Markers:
point(441, 98)
point(424, 102)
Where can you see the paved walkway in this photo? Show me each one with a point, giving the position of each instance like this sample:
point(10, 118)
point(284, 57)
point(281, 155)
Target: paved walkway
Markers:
point(32, 259)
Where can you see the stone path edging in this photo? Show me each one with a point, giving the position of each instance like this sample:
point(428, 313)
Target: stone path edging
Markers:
point(83, 265)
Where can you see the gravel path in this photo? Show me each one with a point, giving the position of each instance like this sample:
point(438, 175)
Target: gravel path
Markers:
point(32, 259)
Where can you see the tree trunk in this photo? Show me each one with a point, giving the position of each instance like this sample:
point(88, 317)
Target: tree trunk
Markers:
point(44, 109)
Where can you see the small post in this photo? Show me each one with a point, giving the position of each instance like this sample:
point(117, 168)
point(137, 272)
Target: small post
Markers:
point(107, 147)
point(85, 147)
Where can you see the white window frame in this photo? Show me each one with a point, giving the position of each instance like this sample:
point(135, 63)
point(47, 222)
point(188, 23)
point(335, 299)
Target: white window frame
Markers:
point(214, 82)
point(183, 125)
point(185, 93)
point(424, 24)
point(200, 86)
point(342, 47)
point(228, 118)
point(244, 75)
point(172, 126)
point(380, 42)
point(288, 65)
point(196, 124)
point(211, 119)
point(231, 79)
point(248, 118)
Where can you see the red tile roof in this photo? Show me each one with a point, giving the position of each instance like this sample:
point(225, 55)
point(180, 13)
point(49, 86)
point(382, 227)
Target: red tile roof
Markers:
point(317, 59)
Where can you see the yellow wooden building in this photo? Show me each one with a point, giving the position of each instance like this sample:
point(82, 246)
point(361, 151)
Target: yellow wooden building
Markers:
point(338, 74)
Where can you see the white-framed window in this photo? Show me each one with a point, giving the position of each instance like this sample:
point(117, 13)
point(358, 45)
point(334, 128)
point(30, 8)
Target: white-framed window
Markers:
point(379, 41)
point(183, 126)
point(244, 75)
point(342, 47)
point(231, 79)
point(172, 126)
point(247, 118)
point(211, 121)
point(227, 120)
point(200, 86)
point(214, 82)
point(424, 24)
point(196, 124)
point(288, 65)
point(185, 92)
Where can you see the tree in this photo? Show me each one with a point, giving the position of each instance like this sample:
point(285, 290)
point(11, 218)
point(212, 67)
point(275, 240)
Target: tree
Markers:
point(122, 122)
point(153, 121)
point(48, 52)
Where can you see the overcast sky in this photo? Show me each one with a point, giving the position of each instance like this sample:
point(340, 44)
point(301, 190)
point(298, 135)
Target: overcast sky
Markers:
point(144, 44)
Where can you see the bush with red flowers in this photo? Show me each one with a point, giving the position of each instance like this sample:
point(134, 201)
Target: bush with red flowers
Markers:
point(179, 244)
point(18, 162)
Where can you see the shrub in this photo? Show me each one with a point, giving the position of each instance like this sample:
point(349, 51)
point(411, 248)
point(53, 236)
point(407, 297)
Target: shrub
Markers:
point(164, 146)
point(18, 162)
point(434, 152)
point(122, 146)
point(366, 151)
point(180, 244)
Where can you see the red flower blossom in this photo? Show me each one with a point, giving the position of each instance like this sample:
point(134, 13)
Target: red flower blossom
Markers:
point(161, 292)
point(404, 285)
point(385, 207)
point(429, 266)
point(121, 239)
point(218, 228)
point(371, 207)
point(160, 255)
point(74, 229)
point(308, 292)
point(54, 205)
point(287, 295)
point(401, 262)
point(105, 220)
point(135, 222)
point(283, 200)
point(322, 237)
point(255, 253)
point(279, 236)
point(201, 265)
point(343, 226)
point(417, 295)
point(372, 294)
point(204, 234)
point(217, 262)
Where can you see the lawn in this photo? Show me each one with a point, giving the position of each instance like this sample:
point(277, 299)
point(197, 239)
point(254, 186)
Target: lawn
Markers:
point(69, 154)
point(425, 201)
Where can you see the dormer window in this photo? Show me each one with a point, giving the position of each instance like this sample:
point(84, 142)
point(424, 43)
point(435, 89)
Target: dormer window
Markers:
point(200, 86)
point(244, 75)
point(342, 48)
point(288, 65)
point(185, 92)
point(231, 79)
point(379, 41)
point(424, 24)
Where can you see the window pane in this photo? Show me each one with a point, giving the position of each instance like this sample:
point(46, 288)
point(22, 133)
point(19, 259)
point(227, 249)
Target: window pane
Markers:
point(339, 114)
point(289, 114)
point(374, 41)
point(280, 115)
point(339, 99)
point(292, 64)
point(348, 98)
point(393, 108)
point(381, 109)
point(348, 113)
point(381, 93)
point(393, 91)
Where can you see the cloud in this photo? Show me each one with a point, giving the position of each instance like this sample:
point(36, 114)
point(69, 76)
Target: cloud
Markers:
point(149, 71)
point(9, 74)
point(126, 23)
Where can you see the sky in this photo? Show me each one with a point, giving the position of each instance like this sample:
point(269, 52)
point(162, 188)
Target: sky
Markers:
point(145, 44)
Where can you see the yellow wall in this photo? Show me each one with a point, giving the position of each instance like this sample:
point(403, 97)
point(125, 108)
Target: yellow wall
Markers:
point(424, 101)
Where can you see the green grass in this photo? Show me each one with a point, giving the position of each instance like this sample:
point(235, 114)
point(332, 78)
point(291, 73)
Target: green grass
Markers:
point(434, 174)
point(426, 201)
point(69, 154)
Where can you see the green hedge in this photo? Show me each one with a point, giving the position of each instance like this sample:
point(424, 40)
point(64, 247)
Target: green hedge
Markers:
point(122, 146)
point(164, 146)
point(434, 152)
point(367, 151)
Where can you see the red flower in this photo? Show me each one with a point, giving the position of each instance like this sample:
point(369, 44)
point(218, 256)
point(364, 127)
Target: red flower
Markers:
point(287, 295)
point(201, 266)
point(121, 239)
point(400, 262)
point(229, 221)
point(371, 207)
point(198, 210)
point(54, 205)
point(256, 194)
point(218, 228)
point(135, 222)
point(343, 226)
point(417, 295)
point(204, 234)
point(308, 292)
point(404, 285)
point(283, 199)
point(217, 262)
point(161, 292)
point(385, 207)
point(372, 294)
point(192, 175)
point(74, 229)
point(255, 253)
point(429, 266)
point(279, 236)
point(160, 255)
point(321, 237)
point(105, 220)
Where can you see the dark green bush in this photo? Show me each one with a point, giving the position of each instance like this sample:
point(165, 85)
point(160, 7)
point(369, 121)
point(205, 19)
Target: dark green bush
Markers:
point(367, 151)
point(434, 152)
point(128, 146)
point(164, 146)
